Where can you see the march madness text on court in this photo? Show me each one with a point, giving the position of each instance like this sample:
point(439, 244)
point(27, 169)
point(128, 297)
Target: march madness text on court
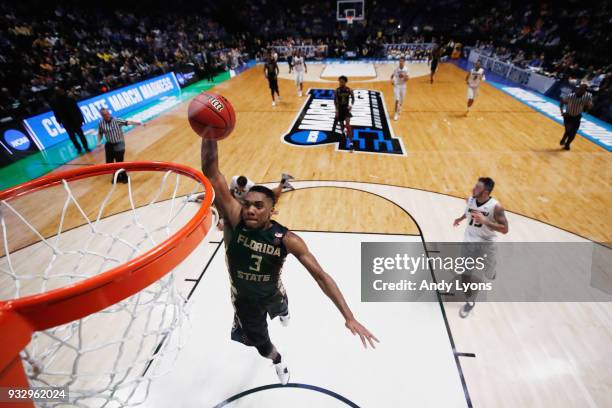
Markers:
point(321, 112)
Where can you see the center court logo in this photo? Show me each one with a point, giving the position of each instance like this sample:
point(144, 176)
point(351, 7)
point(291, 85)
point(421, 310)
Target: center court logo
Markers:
point(314, 124)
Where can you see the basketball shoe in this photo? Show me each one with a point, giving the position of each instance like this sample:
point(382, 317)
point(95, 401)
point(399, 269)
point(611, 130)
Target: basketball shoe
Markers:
point(466, 309)
point(285, 319)
point(283, 372)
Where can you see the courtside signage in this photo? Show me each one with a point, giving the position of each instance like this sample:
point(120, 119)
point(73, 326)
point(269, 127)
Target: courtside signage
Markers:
point(372, 133)
point(46, 131)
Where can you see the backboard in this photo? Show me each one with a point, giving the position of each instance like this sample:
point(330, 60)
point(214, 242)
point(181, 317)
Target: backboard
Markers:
point(350, 8)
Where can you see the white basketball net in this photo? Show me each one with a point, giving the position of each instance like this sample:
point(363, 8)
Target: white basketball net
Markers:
point(107, 359)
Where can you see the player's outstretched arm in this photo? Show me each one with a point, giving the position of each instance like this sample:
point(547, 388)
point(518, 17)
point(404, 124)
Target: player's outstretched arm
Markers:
point(296, 246)
point(458, 220)
point(226, 204)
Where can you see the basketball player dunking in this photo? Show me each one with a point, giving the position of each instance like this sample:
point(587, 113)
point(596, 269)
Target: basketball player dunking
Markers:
point(486, 217)
point(256, 247)
point(434, 59)
point(344, 100)
point(271, 73)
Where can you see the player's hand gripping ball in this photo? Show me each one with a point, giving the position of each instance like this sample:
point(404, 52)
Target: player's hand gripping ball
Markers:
point(211, 116)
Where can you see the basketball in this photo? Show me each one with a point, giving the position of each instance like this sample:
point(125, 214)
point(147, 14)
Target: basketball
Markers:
point(211, 116)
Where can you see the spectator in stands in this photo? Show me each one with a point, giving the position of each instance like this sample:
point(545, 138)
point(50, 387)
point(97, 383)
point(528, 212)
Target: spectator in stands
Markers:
point(537, 62)
point(79, 45)
point(68, 114)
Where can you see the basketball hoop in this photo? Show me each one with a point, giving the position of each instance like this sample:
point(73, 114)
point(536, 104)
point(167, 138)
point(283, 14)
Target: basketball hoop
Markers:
point(134, 284)
point(349, 19)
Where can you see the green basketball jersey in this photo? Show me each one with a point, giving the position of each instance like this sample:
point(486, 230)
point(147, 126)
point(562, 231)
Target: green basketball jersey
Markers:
point(255, 259)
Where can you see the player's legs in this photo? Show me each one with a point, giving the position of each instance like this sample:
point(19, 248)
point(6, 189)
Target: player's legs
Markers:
point(72, 133)
point(268, 350)
point(79, 132)
point(278, 190)
point(573, 129)
point(566, 124)
point(349, 132)
point(434, 68)
point(119, 156)
point(487, 252)
point(339, 121)
point(73, 139)
point(109, 153)
point(115, 152)
point(343, 119)
point(271, 86)
point(396, 96)
point(399, 93)
point(283, 185)
point(251, 328)
point(299, 79)
point(470, 296)
point(471, 95)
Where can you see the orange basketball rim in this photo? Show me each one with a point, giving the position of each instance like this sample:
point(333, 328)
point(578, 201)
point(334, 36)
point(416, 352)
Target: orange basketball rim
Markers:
point(19, 318)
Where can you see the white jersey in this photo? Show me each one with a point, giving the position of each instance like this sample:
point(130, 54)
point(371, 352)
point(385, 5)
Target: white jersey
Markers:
point(298, 64)
point(476, 232)
point(476, 76)
point(237, 191)
point(398, 80)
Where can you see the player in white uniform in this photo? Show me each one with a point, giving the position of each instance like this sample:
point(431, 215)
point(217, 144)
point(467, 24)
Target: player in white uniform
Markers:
point(241, 185)
point(473, 80)
point(299, 66)
point(399, 77)
point(486, 217)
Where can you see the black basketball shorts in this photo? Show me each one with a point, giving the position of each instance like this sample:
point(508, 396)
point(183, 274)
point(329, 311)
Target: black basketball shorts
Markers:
point(250, 318)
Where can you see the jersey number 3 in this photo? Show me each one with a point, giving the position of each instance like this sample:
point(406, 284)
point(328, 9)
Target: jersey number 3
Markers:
point(257, 264)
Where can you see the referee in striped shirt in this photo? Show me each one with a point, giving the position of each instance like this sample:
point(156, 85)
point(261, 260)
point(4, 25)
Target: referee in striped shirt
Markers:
point(114, 148)
point(577, 102)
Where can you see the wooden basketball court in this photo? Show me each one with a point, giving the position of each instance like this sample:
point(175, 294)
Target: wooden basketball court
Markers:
point(544, 354)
